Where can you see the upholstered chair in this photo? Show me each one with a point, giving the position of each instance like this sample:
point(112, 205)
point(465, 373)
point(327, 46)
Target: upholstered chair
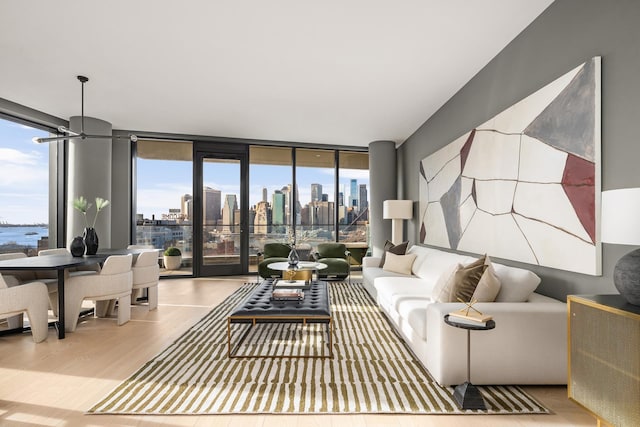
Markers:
point(31, 298)
point(50, 277)
point(273, 252)
point(337, 258)
point(113, 282)
point(146, 273)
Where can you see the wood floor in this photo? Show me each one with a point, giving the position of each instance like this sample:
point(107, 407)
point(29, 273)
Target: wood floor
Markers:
point(53, 383)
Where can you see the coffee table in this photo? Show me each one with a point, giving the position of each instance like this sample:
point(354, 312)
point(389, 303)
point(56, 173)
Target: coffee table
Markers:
point(301, 266)
point(259, 308)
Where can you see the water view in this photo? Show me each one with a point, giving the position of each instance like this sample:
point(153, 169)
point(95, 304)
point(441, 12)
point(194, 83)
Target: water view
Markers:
point(22, 236)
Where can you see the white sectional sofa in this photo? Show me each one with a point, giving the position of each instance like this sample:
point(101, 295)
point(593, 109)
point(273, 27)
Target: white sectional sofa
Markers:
point(527, 346)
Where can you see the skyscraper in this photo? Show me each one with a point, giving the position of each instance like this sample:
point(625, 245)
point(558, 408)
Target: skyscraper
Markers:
point(363, 197)
point(262, 218)
point(353, 198)
point(316, 192)
point(228, 210)
point(277, 208)
point(264, 194)
point(211, 206)
point(186, 205)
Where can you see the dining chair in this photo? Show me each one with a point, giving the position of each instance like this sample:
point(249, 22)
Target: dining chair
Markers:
point(31, 298)
point(146, 274)
point(50, 278)
point(114, 281)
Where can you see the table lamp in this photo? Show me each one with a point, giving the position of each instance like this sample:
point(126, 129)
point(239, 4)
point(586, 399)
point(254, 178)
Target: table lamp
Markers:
point(621, 225)
point(397, 210)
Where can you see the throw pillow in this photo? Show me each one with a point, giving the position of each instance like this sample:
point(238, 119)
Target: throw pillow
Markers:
point(399, 263)
point(399, 249)
point(467, 278)
point(516, 284)
point(488, 286)
point(442, 289)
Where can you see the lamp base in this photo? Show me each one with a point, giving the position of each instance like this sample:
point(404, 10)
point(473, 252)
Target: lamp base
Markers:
point(626, 277)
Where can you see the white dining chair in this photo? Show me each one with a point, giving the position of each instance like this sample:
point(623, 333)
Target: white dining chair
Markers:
point(31, 298)
point(146, 274)
point(114, 282)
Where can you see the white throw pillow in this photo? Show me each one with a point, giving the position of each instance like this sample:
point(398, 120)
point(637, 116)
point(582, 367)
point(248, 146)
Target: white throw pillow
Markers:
point(398, 263)
point(516, 284)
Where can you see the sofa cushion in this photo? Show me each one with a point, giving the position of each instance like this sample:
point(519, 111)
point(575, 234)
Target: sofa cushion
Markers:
point(421, 253)
point(437, 262)
point(394, 289)
point(399, 263)
point(414, 312)
point(399, 249)
point(516, 284)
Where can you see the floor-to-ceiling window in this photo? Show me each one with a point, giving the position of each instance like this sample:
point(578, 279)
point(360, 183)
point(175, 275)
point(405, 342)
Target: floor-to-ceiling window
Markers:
point(163, 201)
point(270, 198)
point(28, 189)
point(353, 203)
point(315, 207)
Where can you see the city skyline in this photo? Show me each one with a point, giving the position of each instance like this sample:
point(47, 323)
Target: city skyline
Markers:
point(160, 184)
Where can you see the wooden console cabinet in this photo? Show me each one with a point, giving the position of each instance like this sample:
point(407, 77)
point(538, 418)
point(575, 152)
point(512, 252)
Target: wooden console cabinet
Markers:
point(604, 358)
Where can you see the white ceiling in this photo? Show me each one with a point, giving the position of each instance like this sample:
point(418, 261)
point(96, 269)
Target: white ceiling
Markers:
point(343, 72)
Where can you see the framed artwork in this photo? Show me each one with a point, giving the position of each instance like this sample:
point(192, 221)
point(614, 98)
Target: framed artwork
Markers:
point(525, 185)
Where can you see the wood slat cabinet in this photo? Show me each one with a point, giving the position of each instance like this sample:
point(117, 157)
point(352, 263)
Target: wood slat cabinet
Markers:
point(604, 358)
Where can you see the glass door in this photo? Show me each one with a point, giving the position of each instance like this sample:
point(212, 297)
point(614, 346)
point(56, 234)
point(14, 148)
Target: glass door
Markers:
point(221, 229)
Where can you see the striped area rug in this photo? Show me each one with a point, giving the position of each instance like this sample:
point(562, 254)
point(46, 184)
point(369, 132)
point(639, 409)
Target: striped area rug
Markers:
point(371, 371)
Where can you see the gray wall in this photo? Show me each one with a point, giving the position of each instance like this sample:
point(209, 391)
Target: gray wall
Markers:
point(568, 33)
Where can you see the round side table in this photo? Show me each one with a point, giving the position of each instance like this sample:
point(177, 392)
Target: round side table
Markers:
point(467, 395)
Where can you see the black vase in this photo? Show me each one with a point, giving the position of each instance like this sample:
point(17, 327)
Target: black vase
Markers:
point(91, 240)
point(77, 246)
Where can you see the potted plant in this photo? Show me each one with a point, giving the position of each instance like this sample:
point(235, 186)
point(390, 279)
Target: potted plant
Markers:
point(172, 258)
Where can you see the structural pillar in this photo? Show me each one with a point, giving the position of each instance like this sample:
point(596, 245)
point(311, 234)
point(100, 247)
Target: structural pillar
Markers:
point(89, 175)
point(383, 182)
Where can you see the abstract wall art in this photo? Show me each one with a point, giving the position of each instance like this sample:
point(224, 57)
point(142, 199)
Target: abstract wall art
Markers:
point(525, 185)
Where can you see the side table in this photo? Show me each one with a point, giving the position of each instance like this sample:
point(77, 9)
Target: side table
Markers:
point(467, 395)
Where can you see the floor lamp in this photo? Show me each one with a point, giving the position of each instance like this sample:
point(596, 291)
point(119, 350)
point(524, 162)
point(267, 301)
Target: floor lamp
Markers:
point(397, 211)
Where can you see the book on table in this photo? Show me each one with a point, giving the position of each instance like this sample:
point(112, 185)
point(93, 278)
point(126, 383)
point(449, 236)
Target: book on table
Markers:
point(287, 294)
point(291, 284)
point(469, 317)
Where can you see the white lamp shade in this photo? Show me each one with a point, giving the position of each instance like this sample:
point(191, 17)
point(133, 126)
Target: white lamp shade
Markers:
point(397, 209)
point(621, 216)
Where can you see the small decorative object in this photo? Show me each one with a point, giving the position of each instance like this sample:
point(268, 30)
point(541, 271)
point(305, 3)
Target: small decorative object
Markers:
point(90, 236)
point(172, 258)
point(77, 246)
point(90, 240)
point(293, 257)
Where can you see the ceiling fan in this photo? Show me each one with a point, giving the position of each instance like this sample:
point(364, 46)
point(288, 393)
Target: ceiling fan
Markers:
point(69, 134)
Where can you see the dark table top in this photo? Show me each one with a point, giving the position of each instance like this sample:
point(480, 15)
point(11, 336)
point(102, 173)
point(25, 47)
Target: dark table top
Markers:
point(51, 262)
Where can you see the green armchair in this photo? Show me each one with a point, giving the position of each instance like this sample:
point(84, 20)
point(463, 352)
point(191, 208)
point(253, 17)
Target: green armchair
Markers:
point(337, 258)
point(273, 252)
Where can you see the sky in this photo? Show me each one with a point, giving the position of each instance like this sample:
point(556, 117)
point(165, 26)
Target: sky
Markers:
point(161, 184)
point(24, 185)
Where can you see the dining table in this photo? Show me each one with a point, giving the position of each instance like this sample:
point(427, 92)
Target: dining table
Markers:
point(61, 263)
